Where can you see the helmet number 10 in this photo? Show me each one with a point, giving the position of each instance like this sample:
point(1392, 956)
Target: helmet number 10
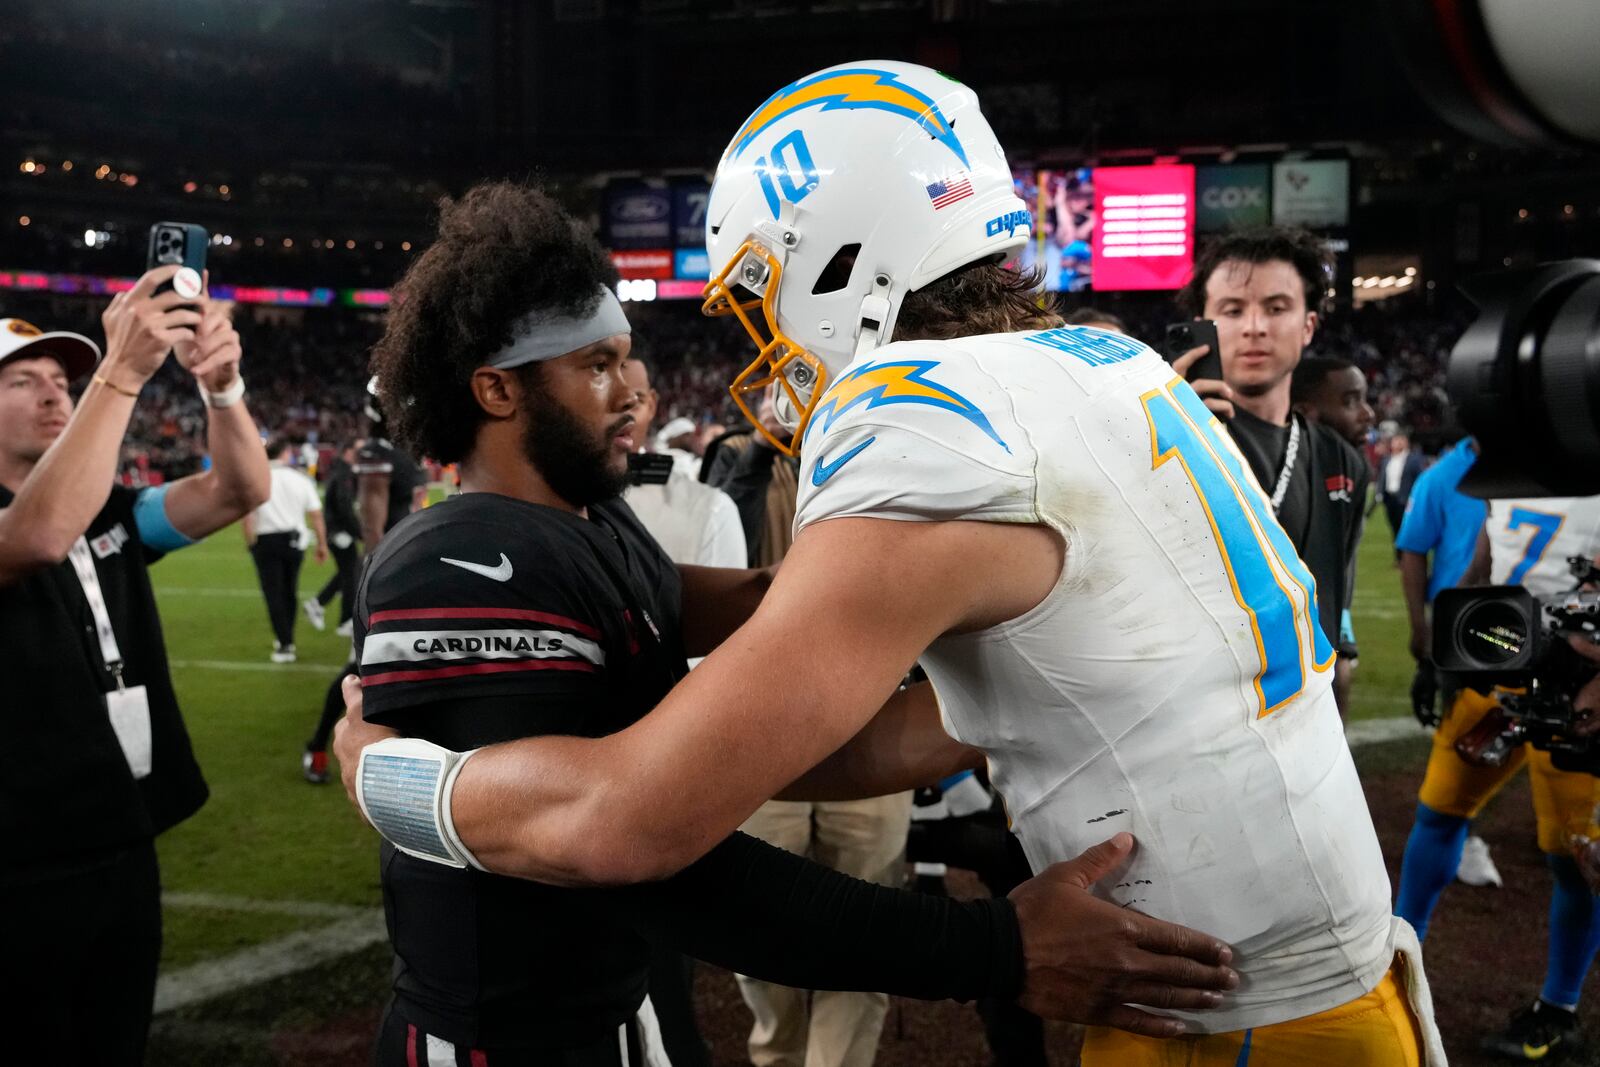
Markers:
point(790, 171)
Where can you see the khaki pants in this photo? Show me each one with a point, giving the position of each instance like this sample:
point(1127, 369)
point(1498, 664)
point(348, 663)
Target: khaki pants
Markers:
point(864, 838)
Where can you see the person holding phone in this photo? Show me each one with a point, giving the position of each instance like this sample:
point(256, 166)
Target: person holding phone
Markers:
point(95, 760)
point(1263, 290)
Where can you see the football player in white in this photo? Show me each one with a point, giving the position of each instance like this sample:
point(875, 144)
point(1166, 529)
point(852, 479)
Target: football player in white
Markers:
point(1055, 526)
point(1527, 543)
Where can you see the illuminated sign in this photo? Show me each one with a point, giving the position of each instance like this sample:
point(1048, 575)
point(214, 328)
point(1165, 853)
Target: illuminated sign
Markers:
point(1143, 227)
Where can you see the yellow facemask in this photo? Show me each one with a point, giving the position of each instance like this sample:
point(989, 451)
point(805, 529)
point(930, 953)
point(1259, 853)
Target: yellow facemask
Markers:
point(775, 351)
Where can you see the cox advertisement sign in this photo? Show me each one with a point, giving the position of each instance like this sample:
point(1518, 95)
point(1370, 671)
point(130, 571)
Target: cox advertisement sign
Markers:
point(1232, 198)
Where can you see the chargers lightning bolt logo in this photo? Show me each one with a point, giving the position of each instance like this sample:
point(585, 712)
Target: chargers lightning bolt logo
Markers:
point(898, 381)
point(850, 89)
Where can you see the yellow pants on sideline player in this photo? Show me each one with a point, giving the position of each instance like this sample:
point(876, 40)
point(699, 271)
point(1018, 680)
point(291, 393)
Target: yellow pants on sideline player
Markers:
point(1563, 801)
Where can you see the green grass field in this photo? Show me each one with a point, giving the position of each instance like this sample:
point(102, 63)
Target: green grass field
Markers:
point(266, 835)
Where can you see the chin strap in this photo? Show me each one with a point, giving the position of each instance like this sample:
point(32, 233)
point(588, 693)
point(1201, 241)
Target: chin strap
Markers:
point(872, 325)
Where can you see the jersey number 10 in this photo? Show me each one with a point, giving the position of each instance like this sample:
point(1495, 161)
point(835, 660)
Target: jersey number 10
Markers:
point(1268, 578)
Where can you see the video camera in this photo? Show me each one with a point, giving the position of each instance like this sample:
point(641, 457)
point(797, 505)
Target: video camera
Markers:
point(1502, 635)
point(1525, 381)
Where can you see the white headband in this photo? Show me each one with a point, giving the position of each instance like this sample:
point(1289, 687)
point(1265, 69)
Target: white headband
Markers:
point(540, 335)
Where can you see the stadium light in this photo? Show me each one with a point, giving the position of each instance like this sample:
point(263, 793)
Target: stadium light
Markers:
point(24, 221)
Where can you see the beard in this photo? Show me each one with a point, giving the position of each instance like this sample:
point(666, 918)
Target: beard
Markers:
point(576, 466)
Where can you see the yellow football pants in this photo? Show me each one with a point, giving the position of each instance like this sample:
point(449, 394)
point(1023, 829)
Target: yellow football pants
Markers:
point(1377, 1030)
point(1563, 801)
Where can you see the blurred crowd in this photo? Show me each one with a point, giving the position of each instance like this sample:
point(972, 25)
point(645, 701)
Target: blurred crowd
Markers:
point(308, 370)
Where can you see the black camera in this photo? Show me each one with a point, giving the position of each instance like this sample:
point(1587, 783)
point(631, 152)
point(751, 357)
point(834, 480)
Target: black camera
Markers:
point(1503, 636)
point(1525, 380)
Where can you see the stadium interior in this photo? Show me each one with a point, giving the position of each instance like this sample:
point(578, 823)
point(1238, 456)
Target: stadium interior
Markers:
point(314, 141)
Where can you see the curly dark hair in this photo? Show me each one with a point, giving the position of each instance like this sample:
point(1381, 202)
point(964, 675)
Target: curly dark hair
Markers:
point(1299, 248)
point(981, 299)
point(503, 250)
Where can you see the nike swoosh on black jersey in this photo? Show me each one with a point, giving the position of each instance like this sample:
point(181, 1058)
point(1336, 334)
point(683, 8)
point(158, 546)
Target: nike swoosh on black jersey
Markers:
point(501, 573)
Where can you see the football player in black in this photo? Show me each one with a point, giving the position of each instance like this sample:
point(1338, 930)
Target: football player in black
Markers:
point(534, 603)
point(389, 486)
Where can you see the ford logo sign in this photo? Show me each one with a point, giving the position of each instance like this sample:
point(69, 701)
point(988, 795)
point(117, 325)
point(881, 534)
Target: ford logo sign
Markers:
point(648, 208)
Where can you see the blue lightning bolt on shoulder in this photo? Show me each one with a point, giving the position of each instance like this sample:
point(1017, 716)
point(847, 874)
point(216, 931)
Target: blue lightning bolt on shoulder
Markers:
point(901, 381)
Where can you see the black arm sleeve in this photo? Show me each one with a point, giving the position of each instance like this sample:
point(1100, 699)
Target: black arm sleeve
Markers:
point(758, 910)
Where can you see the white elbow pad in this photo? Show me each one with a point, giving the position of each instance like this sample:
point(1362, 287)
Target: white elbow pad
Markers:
point(403, 787)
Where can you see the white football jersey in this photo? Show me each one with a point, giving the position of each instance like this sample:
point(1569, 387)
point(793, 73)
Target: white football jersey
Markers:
point(1175, 683)
point(1530, 540)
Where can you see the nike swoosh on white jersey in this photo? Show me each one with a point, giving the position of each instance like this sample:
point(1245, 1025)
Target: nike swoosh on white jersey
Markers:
point(502, 573)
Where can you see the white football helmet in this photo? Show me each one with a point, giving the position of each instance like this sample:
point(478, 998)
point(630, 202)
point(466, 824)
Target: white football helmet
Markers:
point(841, 194)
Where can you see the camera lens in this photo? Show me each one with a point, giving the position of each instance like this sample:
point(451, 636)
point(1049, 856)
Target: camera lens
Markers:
point(1493, 634)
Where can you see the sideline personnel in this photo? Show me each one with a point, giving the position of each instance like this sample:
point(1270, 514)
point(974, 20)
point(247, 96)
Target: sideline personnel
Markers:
point(95, 761)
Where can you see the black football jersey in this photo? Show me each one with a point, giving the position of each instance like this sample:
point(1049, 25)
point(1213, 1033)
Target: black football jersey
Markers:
point(485, 619)
point(378, 456)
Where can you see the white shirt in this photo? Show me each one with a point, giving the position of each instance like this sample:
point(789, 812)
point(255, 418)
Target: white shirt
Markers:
point(293, 495)
point(1394, 472)
point(1174, 684)
point(1530, 541)
point(692, 522)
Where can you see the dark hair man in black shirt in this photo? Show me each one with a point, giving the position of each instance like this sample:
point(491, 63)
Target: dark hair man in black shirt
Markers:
point(1265, 290)
point(1333, 392)
point(95, 761)
point(534, 603)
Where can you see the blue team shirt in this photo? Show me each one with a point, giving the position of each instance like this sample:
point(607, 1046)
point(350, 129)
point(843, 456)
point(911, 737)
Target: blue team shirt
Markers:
point(1443, 520)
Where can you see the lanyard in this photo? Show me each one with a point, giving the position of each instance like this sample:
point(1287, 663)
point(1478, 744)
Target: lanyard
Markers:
point(1287, 472)
point(83, 563)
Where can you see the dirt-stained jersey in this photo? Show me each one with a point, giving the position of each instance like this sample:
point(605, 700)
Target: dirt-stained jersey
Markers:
point(1174, 684)
point(1530, 540)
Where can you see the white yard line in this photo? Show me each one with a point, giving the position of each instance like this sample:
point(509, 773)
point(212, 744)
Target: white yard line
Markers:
point(309, 909)
point(1377, 731)
point(230, 592)
point(299, 951)
point(250, 665)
